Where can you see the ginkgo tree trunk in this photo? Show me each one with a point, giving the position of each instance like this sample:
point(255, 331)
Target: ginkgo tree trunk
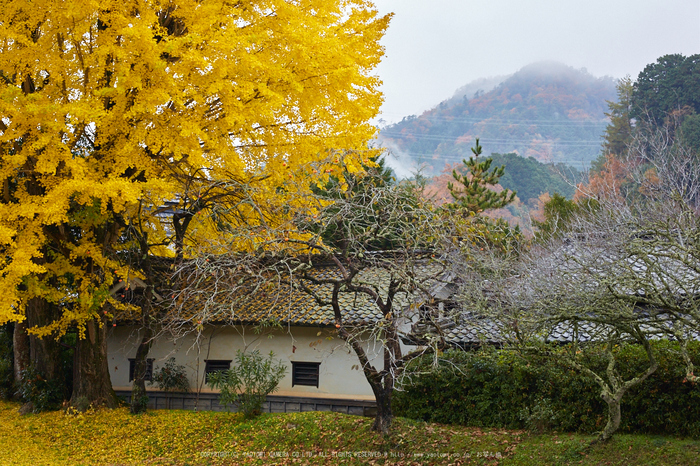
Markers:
point(111, 110)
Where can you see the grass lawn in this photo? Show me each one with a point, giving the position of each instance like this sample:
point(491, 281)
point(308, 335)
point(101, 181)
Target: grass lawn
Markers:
point(114, 437)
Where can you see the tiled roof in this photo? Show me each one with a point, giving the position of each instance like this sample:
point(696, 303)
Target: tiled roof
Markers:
point(472, 330)
point(663, 271)
point(296, 307)
point(290, 306)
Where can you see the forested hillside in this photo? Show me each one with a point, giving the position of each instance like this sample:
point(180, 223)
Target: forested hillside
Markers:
point(533, 182)
point(531, 178)
point(548, 111)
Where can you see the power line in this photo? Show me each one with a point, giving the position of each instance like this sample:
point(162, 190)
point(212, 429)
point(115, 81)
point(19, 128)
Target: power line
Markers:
point(444, 159)
point(501, 141)
point(457, 158)
point(514, 121)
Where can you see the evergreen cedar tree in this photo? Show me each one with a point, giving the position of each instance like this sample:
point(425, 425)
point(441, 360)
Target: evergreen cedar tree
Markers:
point(663, 99)
point(475, 193)
point(666, 86)
point(670, 88)
point(618, 133)
point(110, 109)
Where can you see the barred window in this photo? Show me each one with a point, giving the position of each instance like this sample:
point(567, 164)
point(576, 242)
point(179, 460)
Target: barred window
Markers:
point(305, 373)
point(215, 365)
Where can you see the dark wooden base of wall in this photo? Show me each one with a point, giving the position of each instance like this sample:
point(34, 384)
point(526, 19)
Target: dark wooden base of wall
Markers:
point(274, 404)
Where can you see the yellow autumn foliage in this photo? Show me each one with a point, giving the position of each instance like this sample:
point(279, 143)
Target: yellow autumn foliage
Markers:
point(177, 437)
point(110, 110)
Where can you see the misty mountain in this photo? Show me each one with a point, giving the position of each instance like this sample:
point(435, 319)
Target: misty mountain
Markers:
point(548, 111)
point(477, 87)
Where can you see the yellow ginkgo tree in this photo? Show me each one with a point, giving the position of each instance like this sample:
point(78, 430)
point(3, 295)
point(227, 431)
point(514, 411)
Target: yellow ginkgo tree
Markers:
point(138, 125)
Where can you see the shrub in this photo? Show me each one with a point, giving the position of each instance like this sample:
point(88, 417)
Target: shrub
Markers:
point(171, 377)
point(248, 384)
point(541, 416)
point(6, 378)
point(501, 389)
point(44, 395)
point(6, 363)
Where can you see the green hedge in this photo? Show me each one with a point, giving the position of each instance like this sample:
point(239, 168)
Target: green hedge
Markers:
point(501, 389)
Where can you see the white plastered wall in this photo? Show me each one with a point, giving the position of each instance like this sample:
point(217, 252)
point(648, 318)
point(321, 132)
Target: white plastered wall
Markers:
point(339, 373)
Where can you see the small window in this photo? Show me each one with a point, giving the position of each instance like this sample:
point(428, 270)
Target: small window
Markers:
point(149, 369)
point(215, 365)
point(305, 373)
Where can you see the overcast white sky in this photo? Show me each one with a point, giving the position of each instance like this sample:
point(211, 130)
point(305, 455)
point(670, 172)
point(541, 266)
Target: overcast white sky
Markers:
point(434, 47)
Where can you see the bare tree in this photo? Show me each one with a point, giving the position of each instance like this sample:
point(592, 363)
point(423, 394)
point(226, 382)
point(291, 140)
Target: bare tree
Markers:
point(370, 251)
point(154, 229)
point(566, 292)
point(664, 166)
point(657, 166)
point(660, 273)
point(659, 256)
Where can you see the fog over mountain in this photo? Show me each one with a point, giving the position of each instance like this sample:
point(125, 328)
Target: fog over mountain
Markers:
point(478, 87)
point(546, 110)
point(433, 48)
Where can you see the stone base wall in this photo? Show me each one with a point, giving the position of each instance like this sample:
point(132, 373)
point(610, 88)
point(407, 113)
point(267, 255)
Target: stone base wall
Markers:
point(274, 404)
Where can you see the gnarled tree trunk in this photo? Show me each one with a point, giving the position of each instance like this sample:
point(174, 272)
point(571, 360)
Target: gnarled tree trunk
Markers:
point(44, 353)
point(382, 394)
point(139, 398)
point(91, 381)
point(20, 347)
point(614, 415)
point(615, 390)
